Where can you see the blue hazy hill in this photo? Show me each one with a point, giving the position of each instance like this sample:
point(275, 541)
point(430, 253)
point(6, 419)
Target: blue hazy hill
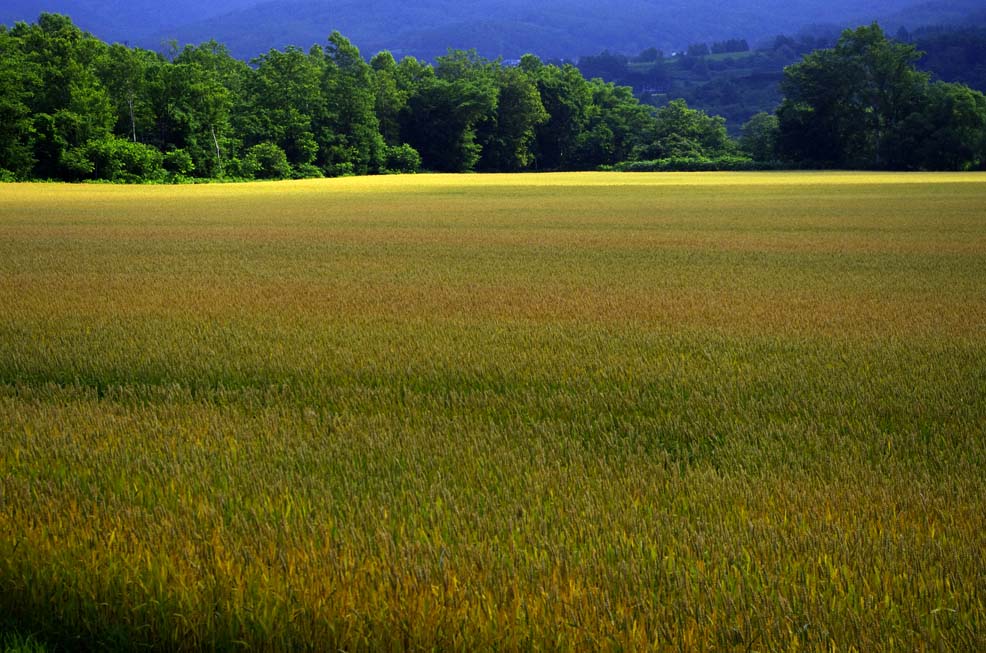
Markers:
point(508, 28)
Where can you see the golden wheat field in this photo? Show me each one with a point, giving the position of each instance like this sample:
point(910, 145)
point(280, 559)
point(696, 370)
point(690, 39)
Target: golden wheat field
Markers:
point(696, 412)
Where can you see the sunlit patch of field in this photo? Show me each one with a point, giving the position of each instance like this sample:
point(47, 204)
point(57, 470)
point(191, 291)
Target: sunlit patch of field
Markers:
point(568, 412)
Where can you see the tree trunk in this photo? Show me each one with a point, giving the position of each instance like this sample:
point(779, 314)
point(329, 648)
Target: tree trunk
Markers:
point(215, 141)
point(133, 121)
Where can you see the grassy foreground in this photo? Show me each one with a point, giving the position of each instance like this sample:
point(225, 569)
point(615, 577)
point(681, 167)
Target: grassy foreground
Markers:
point(557, 412)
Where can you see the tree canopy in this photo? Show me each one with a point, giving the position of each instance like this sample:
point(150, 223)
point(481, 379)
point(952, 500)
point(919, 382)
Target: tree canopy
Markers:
point(863, 104)
point(75, 108)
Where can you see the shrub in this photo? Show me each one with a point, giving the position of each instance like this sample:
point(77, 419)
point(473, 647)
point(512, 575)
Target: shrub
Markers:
point(120, 160)
point(266, 161)
point(759, 137)
point(694, 164)
point(77, 164)
point(341, 169)
point(403, 159)
point(179, 163)
point(306, 171)
point(241, 168)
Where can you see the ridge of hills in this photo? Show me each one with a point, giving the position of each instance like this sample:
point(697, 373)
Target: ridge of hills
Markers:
point(507, 28)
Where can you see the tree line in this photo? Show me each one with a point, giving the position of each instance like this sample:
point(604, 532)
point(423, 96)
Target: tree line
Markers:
point(863, 104)
point(75, 108)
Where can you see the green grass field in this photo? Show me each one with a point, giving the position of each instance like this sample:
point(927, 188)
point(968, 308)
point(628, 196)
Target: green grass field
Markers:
point(696, 412)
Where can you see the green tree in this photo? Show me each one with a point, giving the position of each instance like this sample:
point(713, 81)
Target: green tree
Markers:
point(350, 131)
point(389, 96)
point(618, 125)
point(948, 132)
point(225, 79)
point(125, 73)
point(442, 115)
point(682, 132)
point(507, 137)
point(842, 107)
point(192, 113)
point(759, 136)
point(18, 80)
point(70, 106)
point(567, 98)
point(284, 96)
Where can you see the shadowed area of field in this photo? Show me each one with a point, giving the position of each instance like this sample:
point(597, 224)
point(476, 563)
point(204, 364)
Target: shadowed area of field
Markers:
point(574, 411)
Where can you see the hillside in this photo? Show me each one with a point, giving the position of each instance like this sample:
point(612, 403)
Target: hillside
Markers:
point(738, 84)
point(505, 28)
point(939, 12)
point(122, 20)
point(510, 28)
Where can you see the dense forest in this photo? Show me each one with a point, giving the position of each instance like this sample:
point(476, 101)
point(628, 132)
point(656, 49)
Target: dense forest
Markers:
point(75, 108)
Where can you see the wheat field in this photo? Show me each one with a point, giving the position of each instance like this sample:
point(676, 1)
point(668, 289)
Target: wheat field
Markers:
point(593, 411)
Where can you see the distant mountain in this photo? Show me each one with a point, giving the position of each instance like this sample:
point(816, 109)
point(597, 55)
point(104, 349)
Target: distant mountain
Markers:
point(508, 28)
point(123, 20)
point(939, 12)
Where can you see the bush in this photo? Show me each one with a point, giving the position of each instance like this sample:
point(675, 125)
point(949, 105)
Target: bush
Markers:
point(760, 136)
point(306, 171)
point(179, 163)
point(77, 164)
point(241, 168)
point(266, 161)
point(695, 164)
point(120, 160)
point(341, 169)
point(402, 159)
